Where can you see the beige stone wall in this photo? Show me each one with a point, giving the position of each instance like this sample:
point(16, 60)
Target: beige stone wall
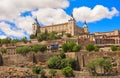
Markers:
point(68, 27)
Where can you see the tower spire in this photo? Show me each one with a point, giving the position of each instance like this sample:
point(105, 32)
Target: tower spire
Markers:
point(36, 20)
point(85, 22)
point(73, 17)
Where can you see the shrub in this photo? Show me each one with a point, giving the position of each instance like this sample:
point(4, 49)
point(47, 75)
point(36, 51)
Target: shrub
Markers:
point(67, 71)
point(42, 72)
point(52, 72)
point(90, 47)
point(96, 48)
point(23, 49)
point(3, 50)
point(113, 48)
point(36, 69)
point(56, 62)
point(71, 62)
point(62, 55)
point(32, 36)
point(71, 47)
point(68, 35)
point(37, 48)
point(43, 48)
point(104, 64)
point(76, 48)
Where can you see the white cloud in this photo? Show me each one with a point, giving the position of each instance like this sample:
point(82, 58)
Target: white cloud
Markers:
point(9, 31)
point(50, 16)
point(25, 23)
point(99, 12)
point(10, 9)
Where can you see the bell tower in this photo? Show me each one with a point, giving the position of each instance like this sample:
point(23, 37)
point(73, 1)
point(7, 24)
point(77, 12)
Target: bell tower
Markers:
point(85, 27)
point(36, 27)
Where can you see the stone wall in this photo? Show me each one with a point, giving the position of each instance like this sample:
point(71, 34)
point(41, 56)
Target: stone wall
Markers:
point(85, 57)
point(23, 60)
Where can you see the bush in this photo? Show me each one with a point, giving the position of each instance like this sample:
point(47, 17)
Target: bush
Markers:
point(113, 48)
point(96, 48)
point(71, 47)
point(32, 36)
point(52, 72)
point(3, 50)
point(23, 50)
point(71, 62)
point(5, 41)
point(36, 69)
point(56, 62)
point(62, 55)
point(43, 48)
point(67, 71)
point(24, 39)
point(76, 48)
point(37, 48)
point(42, 36)
point(104, 64)
point(42, 72)
point(68, 35)
point(90, 47)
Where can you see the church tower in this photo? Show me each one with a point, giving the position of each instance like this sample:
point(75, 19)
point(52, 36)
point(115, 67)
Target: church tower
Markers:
point(85, 27)
point(36, 27)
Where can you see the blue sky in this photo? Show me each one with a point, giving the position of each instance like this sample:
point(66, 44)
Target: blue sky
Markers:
point(17, 17)
point(103, 25)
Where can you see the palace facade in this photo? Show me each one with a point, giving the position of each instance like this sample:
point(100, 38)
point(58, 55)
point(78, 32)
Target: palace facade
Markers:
point(68, 27)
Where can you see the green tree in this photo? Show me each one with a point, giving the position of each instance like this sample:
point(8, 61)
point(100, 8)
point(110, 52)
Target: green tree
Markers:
point(70, 47)
point(104, 64)
point(113, 48)
point(52, 35)
point(24, 39)
point(32, 36)
point(13, 42)
point(71, 62)
point(36, 48)
point(5, 41)
point(118, 48)
point(67, 71)
point(56, 62)
point(42, 36)
point(77, 48)
point(23, 49)
point(96, 48)
point(42, 72)
point(36, 69)
point(90, 47)
point(52, 72)
point(65, 47)
point(107, 66)
point(100, 62)
point(91, 66)
point(3, 50)
point(68, 35)
point(43, 48)
point(62, 55)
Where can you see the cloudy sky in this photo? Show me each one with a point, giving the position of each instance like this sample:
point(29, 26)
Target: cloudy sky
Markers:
point(17, 16)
